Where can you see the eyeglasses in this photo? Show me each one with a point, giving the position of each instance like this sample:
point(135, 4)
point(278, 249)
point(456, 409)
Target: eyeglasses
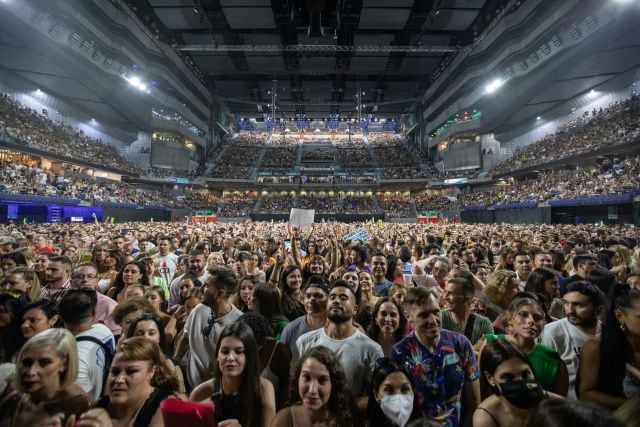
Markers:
point(84, 276)
point(206, 331)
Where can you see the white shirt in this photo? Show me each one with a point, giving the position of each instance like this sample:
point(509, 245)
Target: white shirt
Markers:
point(567, 340)
point(91, 360)
point(357, 354)
point(202, 349)
point(167, 266)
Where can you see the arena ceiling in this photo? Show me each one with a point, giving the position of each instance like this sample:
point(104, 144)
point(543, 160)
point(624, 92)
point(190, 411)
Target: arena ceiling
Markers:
point(361, 49)
point(390, 50)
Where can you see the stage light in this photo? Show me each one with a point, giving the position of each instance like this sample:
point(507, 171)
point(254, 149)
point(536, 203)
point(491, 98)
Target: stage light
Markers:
point(493, 86)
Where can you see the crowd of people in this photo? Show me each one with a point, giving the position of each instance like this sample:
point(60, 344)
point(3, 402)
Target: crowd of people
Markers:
point(277, 157)
point(396, 205)
point(24, 176)
point(617, 124)
point(36, 130)
point(372, 324)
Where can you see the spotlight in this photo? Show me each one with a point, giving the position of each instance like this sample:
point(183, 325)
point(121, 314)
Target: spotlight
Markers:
point(493, 86)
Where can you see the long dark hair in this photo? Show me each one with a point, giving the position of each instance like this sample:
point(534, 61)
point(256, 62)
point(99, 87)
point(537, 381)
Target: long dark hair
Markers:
point(249, 392)
point(615, 350)
point(340, 403)
point(385, 367)
point(119, 284)
point(374, 329)
point(536, 280)
point(495, 354)
point(292, 308)
point(11, 338)
point(131, 332)
point(269, 300)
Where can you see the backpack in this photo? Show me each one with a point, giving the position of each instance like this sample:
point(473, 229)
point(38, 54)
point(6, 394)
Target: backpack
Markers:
point(109, 354)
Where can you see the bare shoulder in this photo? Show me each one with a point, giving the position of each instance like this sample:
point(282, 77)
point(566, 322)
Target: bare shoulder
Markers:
point(266, 386)
point(282, 418)
point(202, 392)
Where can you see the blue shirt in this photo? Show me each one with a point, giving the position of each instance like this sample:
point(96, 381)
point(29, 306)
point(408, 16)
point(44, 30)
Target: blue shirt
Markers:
point(439, 376)
point(381, 289)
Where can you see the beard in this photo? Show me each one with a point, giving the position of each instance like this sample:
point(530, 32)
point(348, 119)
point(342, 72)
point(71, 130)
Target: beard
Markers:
point(338, 317)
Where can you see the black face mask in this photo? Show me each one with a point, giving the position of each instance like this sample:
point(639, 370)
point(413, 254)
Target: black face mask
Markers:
point(523, 394)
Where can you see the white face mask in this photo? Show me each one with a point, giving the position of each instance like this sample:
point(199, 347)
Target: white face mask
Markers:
point(397, 407)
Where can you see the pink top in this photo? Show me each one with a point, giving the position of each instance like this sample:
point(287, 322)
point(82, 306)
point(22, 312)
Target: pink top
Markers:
point(103, 313)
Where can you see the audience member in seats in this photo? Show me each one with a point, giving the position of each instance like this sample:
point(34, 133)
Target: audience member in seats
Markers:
point(156, 297)
point(583, 306)
point(508, 374)
point(95, 342)
point(392, 402)
point(47, 368)
point(125, 313)
point(290, 285)
point(205, 323)
point(265, 300)
point(526, 318)
point(608, 369)
point(150, 326)
point(316, 293)
point(355, 351)
point(245, 289)
point(437, 356)
point(544, 282)
point(241, 396)
point(573, 413)
point(132, 273)
point(457, 317)
point(38, 316)
point(12, 306)
point(388, 324)
point(138, 381)
point(320, 393)
point(25, 280)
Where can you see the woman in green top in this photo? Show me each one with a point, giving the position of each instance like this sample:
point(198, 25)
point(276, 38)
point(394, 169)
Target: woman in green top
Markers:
point(265, 299)
point(526, 321)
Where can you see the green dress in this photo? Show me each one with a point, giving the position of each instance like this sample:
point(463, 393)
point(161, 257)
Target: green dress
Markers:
point(545, 362)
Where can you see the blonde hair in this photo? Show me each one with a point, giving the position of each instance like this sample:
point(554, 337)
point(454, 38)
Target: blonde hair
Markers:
point(65, 345)
point(143, 349)
point(497, 286)
point(31, 276)
point(626, 256)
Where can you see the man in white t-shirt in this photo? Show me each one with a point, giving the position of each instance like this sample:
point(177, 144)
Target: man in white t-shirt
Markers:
point(356, 352)
point(204, 324)
point(197, 266)
point(168, 261)
point(583, 306)
point(95, 342)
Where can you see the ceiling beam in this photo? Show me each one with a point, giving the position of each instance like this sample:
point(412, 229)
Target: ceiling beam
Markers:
point(323, 48)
